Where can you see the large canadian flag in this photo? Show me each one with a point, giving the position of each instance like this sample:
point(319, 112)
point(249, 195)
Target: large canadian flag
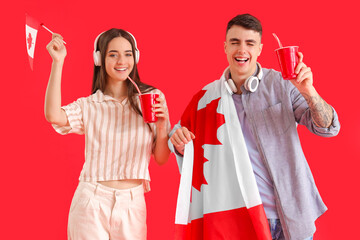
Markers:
point(218, 197)
point(31, 28)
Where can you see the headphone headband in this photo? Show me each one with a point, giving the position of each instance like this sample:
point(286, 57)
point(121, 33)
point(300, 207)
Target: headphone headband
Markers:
point(97, 55)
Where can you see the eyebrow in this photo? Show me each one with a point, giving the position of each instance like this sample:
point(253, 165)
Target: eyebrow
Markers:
point(237, 40)
point(118, 51)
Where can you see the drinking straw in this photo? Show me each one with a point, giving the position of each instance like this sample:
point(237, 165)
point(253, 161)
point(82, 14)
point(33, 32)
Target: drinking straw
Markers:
point(134, 85)
point(277, 39)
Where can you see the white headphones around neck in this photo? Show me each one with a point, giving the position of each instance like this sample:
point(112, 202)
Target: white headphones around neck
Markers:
point(250, 84)
point(97, 55)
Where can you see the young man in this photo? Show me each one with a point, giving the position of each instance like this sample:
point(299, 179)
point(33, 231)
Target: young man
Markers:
point(247, 153)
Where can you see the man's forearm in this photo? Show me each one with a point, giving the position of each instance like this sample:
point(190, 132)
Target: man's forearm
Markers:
point(321, 112)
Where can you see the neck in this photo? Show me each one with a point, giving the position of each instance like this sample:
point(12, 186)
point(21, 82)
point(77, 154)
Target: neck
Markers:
point(240, 79)
point(117, 90)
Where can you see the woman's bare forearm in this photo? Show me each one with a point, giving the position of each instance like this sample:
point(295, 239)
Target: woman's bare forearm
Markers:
point(161, 151)
point(53, 111)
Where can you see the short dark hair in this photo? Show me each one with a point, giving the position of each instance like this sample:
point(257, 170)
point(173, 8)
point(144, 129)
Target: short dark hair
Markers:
point(246, 21)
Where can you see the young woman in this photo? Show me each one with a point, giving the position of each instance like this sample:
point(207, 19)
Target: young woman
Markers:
point(109, 200)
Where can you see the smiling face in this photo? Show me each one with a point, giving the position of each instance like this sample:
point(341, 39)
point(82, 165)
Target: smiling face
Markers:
point(242, 48)
point(119, 60)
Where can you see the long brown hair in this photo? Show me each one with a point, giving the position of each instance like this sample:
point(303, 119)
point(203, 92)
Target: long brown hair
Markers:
point(100, 75)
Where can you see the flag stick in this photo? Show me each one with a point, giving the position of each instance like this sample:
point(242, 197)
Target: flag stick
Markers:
point(49, 31)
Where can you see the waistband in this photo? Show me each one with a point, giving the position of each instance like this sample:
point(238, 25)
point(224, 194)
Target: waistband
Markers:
point(102, 190)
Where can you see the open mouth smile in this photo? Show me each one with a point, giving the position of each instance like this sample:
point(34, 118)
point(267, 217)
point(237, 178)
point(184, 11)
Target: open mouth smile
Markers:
point(121, 69)
point(241, 59)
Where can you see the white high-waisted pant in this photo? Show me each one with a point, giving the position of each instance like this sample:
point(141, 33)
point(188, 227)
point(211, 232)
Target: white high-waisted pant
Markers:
point(98, 212)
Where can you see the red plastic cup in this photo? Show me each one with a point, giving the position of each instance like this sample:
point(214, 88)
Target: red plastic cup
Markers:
point(147, 100)
point(288, 60)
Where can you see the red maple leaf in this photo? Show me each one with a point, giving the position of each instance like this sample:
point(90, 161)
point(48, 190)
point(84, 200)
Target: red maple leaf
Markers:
point(29, 40)
point(204, 123)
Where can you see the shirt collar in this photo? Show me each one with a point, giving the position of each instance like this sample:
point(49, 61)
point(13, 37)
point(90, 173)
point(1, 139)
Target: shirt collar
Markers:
point(99, 96)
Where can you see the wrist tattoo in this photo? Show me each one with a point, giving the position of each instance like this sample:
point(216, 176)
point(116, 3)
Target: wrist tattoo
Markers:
point(321, 112)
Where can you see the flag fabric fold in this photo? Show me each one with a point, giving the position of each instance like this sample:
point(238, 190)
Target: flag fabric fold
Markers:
point(31, 28)
point(224, 199)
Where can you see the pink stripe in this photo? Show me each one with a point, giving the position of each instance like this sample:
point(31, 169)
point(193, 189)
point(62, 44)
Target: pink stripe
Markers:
point(134, 160)
point(109, 118)
point(87, 140)
point(116, 132)
point(148, 147)
point(126, 160)
point(143, 145)
point(100, 134)
point(121, 146)
point(93, 126)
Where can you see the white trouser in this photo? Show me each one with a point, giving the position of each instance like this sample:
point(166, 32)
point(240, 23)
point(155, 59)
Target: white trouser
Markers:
point(98, 212)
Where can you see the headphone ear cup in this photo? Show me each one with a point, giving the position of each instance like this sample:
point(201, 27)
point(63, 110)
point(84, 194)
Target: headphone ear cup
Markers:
point(97, 58)
point(251, 84)
point(137, 56)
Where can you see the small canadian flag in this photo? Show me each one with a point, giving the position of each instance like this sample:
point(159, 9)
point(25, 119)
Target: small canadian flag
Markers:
point(31, 28)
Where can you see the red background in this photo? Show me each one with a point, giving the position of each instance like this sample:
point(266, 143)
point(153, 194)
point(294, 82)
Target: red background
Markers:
point(181, 44)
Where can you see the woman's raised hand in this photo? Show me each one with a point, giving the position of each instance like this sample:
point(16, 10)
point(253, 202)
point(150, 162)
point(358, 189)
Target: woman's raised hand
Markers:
point(56, 48)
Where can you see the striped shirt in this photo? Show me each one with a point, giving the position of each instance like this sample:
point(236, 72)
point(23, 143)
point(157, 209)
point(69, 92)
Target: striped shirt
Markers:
point(118, 144)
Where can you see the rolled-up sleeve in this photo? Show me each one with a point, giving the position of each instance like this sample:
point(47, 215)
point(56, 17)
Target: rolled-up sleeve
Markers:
point(331, 131)
point(302, 115)
point(75, 118)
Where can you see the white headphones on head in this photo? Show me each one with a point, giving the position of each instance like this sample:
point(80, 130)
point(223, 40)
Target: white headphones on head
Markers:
point(97, 55)
point(250, 84)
